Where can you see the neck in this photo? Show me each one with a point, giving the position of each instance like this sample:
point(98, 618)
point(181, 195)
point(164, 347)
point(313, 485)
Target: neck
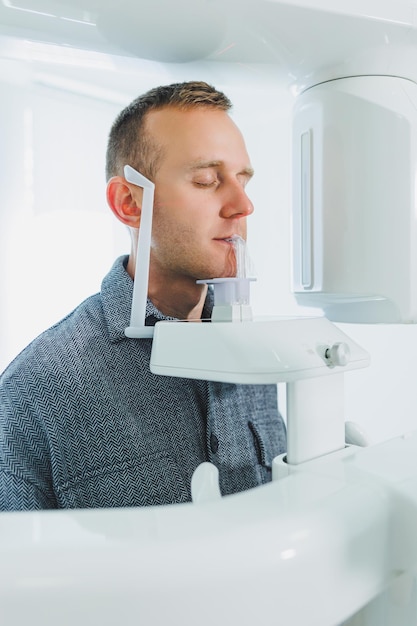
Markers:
point(173, 295)
point(177, 299)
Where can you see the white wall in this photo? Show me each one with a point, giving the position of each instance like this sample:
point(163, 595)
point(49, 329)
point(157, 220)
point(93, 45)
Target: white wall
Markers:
point(58, 238)
point(57, 234)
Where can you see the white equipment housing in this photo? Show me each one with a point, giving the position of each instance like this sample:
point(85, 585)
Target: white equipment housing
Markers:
point(354, 212)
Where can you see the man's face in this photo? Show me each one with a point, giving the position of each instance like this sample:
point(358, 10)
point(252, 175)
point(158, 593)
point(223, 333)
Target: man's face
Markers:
point(200, 198)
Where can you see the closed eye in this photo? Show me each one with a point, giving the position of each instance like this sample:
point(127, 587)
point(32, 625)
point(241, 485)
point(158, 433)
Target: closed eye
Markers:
point(211, 183)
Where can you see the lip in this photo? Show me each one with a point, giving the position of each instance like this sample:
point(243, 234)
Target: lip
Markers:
point(225, 240)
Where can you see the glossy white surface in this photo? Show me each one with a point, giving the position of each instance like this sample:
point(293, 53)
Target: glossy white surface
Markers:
point(315, 417)
point(310, 549)
point(258, 352)
point(307, 42)
point(354, 226)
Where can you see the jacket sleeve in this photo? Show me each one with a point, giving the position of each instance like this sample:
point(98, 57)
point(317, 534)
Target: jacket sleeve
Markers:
point(25, 473)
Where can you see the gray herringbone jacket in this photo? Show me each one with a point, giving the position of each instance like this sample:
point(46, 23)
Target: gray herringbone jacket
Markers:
point(83, 422)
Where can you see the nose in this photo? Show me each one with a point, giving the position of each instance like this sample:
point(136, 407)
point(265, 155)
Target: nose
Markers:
point(235, 202)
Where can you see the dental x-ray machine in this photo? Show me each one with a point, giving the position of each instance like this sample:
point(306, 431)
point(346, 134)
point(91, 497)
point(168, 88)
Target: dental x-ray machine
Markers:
point(332, 539)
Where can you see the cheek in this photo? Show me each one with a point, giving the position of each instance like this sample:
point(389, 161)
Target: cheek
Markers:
point(171, 229)
point(181, 214)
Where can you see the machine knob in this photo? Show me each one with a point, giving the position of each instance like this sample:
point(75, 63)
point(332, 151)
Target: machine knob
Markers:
point(338, 354)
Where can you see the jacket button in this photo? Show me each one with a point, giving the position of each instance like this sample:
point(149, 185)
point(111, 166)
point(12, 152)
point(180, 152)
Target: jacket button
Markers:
point(214, 443)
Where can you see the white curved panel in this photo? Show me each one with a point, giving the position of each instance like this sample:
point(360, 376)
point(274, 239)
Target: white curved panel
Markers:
point(307, 41)
point(310, 549)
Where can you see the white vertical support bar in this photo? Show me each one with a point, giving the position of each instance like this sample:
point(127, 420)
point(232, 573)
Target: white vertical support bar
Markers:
point(315, 417)
point(137, 328)
point(306, 211)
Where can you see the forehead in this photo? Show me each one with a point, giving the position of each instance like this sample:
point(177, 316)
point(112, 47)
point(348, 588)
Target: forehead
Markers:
point(197, 134)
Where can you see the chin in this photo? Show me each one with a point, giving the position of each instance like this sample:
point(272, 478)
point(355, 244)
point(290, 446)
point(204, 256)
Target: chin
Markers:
point(221, 274)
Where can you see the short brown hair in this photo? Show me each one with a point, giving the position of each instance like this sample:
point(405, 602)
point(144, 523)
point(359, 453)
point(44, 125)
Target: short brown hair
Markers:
point(129, 143)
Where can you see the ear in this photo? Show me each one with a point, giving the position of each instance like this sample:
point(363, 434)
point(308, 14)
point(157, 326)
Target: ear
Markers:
point(125, 200)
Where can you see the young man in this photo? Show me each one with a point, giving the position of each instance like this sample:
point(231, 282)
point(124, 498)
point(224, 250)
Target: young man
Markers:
point(83, 422)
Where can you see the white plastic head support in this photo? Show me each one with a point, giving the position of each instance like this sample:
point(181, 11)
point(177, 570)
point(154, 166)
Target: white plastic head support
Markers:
point(137, 328)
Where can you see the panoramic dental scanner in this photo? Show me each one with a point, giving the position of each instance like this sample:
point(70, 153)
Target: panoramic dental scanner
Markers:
point(332, 539)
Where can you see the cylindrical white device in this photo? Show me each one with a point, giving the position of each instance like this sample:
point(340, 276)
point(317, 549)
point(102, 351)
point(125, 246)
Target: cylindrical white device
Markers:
point(354, 199)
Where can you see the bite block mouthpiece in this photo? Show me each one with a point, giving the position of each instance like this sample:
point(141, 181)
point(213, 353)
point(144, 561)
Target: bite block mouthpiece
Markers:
point(232, 295)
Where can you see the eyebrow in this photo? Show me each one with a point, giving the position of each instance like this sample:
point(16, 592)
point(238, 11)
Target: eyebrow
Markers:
point(201, 165)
